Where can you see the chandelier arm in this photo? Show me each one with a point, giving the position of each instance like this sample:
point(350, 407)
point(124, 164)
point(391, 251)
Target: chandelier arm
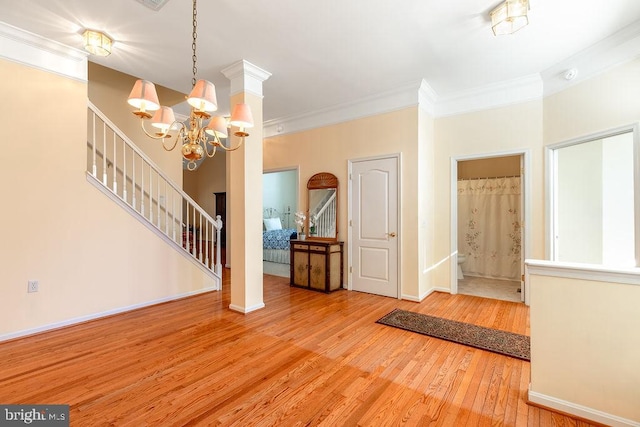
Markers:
point(175, 142)
point(213, 152)
point(191, 165)
point(160, 135)
point(231, 148)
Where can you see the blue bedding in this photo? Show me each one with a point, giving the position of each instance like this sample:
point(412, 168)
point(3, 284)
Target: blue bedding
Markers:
point(277, 239)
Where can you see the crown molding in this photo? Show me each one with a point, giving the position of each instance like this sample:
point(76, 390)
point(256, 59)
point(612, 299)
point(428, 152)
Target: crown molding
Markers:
point(495, 95)
point(615, 50)
point(30, 49)
point(402, 97)
point(246, 77)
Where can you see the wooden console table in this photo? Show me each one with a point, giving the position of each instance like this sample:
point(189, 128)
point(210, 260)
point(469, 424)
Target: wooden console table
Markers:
point(316, 265)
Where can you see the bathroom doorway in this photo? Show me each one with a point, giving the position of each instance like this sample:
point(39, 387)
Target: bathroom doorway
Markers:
point(488, 213)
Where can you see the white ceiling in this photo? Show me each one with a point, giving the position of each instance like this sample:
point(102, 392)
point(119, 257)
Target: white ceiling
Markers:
point(330, 52)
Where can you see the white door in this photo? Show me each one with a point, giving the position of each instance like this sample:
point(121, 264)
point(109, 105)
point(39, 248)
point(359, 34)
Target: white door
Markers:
point(374, 234)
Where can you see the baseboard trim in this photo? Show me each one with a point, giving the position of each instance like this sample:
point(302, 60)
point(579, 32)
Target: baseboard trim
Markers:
point(95, 316)
point(424, 295)
point(583, 412)
point(245, 310)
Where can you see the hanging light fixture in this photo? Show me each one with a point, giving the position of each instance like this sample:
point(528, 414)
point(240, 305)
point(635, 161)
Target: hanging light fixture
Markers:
point(197, 139)
point(509, 17)
point(97, 43)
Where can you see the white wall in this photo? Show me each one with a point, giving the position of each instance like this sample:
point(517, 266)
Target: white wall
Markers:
point(618, 213)
point(280, 191)
point(579, 228)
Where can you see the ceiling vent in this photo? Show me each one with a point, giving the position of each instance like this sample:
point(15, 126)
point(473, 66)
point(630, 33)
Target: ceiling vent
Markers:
point(153, 4)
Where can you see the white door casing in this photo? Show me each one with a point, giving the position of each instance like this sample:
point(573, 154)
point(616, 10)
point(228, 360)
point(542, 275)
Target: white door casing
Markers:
point(374, 231)
point(525, 212)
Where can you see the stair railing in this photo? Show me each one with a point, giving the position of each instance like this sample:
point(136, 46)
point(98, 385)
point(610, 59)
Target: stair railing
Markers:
point(325, 218)
point(115, 163)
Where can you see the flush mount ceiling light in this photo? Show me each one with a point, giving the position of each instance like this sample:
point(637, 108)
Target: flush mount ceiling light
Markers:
point(202, 99)
point(153, 4)
point(509, 17)
point(97, 43)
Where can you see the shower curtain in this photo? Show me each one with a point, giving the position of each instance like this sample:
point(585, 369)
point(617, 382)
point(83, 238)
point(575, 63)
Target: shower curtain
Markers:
point(489, 227)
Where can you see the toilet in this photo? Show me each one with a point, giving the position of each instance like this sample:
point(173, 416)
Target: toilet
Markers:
point(461, 258)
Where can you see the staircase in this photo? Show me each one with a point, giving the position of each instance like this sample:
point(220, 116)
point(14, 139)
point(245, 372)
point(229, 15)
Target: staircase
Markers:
point(123, 172)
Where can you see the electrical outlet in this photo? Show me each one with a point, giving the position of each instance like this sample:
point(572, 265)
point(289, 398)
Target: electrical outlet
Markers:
point(32, 286)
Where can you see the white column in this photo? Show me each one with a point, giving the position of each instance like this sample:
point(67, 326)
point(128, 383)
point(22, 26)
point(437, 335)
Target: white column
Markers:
point(244, 192)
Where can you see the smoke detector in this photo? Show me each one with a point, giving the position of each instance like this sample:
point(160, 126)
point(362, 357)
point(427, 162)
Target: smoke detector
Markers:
point(153, 4)
point(571, 74)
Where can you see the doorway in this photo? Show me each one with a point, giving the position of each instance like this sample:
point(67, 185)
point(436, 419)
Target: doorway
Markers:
point(488, 211)
point(279, 202)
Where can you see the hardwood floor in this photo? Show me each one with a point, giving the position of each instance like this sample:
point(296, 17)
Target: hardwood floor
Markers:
point(308, 358)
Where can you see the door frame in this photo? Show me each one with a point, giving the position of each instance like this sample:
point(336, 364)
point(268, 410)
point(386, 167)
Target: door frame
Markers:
point(398, 158)
point(526, 211)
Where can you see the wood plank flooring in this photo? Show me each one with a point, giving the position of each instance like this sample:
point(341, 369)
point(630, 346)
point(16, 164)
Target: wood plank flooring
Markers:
point(306, 359)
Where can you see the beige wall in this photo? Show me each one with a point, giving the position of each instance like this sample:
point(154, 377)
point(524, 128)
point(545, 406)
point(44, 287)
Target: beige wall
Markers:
point(606, 101)
point(426, 205)
point(89, 255)
point(329, 148)
point(109, 90)
point(513, 128)
point(585, 343)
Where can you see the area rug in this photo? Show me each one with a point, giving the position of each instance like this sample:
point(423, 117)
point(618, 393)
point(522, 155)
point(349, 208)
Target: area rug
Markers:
point(502, 342)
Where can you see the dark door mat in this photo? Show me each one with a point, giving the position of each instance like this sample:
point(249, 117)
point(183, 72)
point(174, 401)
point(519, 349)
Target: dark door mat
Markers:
point(501, 342)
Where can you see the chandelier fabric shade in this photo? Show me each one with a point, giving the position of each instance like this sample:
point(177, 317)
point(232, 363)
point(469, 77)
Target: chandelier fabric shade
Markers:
point(217, 127)
point(193, 135)
point(163, 119)
point(241, 116)
point(143, 96)
point(509, 17)
point(203, 96)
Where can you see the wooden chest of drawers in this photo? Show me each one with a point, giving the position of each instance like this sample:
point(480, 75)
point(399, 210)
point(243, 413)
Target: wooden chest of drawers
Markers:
point(316, 265)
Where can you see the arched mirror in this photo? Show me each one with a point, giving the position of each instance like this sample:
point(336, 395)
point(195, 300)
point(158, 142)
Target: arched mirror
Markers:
point(322, 189)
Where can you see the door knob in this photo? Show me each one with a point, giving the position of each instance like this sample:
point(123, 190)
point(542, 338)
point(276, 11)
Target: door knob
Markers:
point(392, 234)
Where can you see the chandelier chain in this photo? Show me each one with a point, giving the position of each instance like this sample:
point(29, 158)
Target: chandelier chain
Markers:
point(194, 58)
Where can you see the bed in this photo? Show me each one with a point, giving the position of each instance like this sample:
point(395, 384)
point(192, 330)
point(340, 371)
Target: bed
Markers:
point(275, 238)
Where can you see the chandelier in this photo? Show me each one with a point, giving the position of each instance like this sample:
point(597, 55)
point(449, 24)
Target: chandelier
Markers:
point(197, 138)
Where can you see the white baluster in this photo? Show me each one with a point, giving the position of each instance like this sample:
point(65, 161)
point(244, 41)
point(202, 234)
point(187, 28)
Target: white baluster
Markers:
point(124, 172)
point(133, 182)
point(115, 166)
point(150, 194)
point(104, 154)
point(158, 197)
point(142, 187)
point(199, 249)
point(95, 167)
